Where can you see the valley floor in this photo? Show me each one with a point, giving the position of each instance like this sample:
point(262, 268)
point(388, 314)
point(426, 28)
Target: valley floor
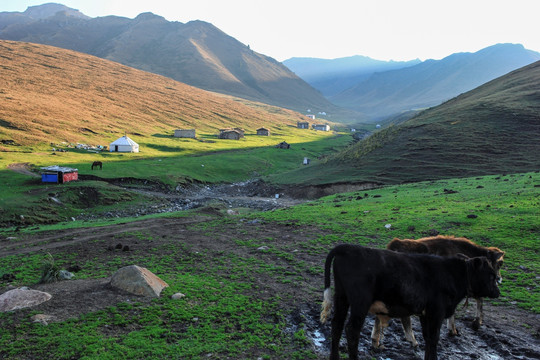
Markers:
point(508, 333)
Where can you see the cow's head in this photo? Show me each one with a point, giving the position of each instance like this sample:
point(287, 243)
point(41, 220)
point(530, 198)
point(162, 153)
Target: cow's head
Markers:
point(482, 278)
point(496, 258)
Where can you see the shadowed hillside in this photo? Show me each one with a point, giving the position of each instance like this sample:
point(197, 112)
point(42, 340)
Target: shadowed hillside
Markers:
point(50, 94)
point(196, 53)
point(493, 129)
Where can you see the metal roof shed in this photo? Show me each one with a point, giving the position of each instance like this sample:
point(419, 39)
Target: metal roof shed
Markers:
point(58, 174)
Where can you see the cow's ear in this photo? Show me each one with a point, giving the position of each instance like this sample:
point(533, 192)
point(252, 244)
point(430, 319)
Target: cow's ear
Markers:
point(462, 256)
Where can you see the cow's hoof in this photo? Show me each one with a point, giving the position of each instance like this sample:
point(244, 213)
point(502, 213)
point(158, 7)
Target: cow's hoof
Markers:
point(476, 324)
point(453, 333)
point(376, 346)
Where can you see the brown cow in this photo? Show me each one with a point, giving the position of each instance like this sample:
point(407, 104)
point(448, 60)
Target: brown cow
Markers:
point(443, 246)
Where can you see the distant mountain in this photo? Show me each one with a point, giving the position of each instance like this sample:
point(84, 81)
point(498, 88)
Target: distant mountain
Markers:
point(49, 94)
point(333, 76)
point(493, 129)
point(196, 53)
point(433, 81)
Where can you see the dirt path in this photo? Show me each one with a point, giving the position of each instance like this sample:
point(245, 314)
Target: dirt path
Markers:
point(22, 168)
point(508, 333)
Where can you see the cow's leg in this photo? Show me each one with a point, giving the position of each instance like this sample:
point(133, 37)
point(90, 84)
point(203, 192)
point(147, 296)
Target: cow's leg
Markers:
point(452, 331)
point(376, 333)
point(356, 321)
point(359, 310)
point(407, 329)
point(479, 314)
point(341, 306)
point(431, 328)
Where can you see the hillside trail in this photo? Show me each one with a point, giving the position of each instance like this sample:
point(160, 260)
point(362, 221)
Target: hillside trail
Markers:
point(22, 168)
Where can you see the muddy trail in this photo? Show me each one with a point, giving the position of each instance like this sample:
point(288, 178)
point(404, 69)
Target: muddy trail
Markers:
point(507, 333)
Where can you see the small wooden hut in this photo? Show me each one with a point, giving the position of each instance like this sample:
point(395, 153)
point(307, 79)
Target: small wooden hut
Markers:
point(231, 134)
point(263, 132)
point(184, 133)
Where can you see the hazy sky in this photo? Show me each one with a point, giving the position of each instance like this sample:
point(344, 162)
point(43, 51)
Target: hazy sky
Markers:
point(381, 29)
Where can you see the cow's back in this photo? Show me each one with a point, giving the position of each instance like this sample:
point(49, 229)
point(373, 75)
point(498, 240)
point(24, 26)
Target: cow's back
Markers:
point(443, 245)
point(393, 277)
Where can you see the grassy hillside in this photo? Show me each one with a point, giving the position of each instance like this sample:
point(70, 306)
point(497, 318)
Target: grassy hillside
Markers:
point(50, 95)
point(54, 98)
point(493, 129)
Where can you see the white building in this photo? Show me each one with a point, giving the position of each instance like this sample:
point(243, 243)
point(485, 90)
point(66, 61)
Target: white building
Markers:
point(124, 144)
point(321, 127)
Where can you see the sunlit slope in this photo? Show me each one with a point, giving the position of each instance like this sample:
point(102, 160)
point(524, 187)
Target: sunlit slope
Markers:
point(492, 129)
point(48, 94)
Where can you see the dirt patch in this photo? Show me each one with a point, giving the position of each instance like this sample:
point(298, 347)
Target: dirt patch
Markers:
point(508, 333)
point(22, 168)
point(318, 191)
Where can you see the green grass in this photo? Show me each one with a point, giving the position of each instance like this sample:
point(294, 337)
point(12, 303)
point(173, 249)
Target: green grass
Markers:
point(237, 322)
point(216, 319)
point(192, 161)
point(499, 211)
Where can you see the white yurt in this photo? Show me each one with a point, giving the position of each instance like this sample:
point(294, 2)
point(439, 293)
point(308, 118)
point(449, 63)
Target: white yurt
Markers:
point(124, 144)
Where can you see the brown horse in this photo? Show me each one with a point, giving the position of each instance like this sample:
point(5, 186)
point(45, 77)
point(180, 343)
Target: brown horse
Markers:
point(96, 164)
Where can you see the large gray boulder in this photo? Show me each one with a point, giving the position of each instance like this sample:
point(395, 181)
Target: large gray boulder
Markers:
point(22, 298)
point(138, 280)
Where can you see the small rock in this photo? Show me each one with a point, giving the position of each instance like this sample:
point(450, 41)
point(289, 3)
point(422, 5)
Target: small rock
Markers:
point(65, 275)
point(138, 280)
point(177, 296)
point(263, 248)
point(42, 319)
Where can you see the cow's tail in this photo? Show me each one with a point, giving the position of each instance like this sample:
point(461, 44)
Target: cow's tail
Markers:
point(326, 308)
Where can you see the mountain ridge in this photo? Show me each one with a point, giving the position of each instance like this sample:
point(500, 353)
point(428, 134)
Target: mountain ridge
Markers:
point(433, 81)
point(332, 76)
point(196, 53)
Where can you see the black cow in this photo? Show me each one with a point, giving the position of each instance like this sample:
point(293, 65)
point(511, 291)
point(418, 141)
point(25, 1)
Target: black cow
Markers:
point(399, 285)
